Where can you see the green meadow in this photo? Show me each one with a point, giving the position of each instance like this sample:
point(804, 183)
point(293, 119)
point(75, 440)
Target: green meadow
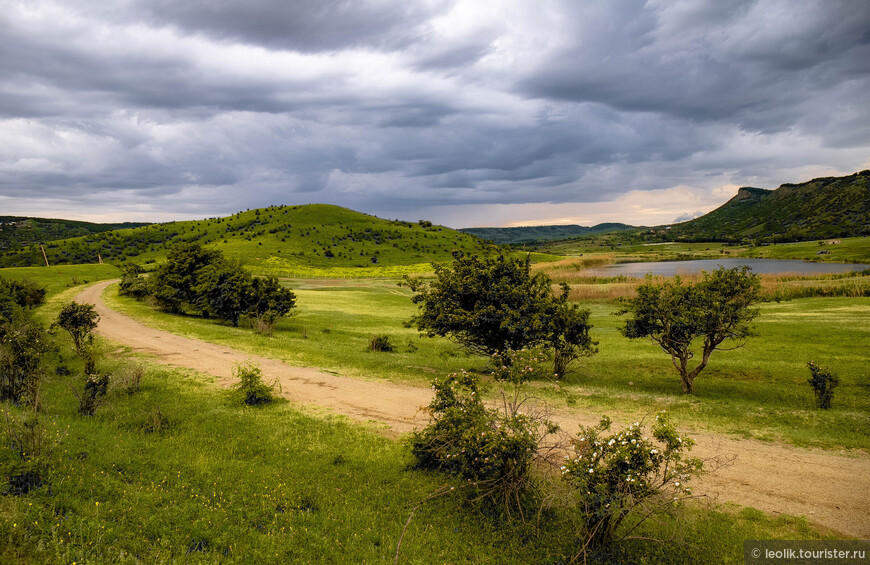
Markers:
point(182, 472)
point(759, 390)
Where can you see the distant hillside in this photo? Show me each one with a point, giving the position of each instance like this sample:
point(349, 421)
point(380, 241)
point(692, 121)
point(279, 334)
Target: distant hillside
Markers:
point(537, 234)
point(819, 209)
point(315, 235)
point(20, 231)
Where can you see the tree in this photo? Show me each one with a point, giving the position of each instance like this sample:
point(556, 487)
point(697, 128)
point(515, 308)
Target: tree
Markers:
point(492, 304)
point(673, 315)
point(270, 302)
point(225, 290)
point(173, 283)
point(80, 320)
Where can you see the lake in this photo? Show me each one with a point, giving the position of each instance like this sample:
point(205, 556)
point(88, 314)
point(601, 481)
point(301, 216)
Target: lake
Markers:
point(765, 266)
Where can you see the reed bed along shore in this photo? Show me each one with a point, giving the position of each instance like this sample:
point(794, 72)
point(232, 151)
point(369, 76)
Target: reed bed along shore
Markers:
point(775, 287)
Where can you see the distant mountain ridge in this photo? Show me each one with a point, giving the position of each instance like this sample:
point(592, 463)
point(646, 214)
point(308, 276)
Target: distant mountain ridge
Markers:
point(534, 234)
point(822, 208)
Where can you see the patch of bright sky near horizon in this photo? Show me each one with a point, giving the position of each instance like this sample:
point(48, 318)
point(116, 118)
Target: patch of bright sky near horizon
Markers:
point(511, 112)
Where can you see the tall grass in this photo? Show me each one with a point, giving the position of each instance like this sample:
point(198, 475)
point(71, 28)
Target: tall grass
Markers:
point(775, 287)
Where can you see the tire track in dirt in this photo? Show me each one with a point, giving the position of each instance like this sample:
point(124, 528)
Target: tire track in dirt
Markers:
point(828, 488)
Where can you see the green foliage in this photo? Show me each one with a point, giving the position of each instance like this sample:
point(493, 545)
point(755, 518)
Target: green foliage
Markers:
point(822, 208)
point(492, 303)
point(624, 474)
point(538, 234)
point(80, 320)
point(823, 384)
point(381, 344)
point(673, 315)
point(22, 344)
point(203, 280)
point(132, 282)
point(251, 386)
point(492, 450)
point(32, 446)
point(298, 236)
point(175, 283)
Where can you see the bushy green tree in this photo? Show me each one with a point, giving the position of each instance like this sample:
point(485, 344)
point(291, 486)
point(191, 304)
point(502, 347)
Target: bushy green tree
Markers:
point(204, 281)
point(224, 290)
point(80, 320)
point(491, 304)
point(19, 294)
point(174, 283)
point(132, 282)
point(716, 310)
point(23, 342)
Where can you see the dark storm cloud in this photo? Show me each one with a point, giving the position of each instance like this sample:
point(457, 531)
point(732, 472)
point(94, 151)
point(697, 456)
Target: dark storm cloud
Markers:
point(753, 63)
point(308, 25)
point(393, 106)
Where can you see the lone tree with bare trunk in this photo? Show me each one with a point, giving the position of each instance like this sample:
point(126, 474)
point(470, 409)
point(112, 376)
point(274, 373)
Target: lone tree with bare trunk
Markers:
point(716, 310)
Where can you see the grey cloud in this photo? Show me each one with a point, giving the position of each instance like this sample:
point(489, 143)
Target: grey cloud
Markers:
point(746, 62)
point(299, 25)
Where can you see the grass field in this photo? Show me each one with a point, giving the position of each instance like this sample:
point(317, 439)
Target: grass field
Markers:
point(219, 482)
point(181, 472)
point(758, 391)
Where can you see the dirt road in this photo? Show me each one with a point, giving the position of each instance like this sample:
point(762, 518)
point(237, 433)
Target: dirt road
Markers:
point(829, 489)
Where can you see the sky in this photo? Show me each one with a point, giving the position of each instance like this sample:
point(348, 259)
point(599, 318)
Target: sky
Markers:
point(463, 112)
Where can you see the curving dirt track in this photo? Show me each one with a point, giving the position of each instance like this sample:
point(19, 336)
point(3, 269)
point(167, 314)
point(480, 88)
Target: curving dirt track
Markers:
point(829, 489)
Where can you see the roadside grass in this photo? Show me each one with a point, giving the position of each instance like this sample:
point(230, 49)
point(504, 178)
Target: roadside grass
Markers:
point(757, 391)
point(59, 277)
point(220, 482)
point(331, 328)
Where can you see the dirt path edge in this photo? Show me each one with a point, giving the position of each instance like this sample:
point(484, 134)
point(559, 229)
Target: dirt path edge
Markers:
point(829, 489)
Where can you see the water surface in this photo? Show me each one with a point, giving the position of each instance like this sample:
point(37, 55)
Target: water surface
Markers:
point(761, 266)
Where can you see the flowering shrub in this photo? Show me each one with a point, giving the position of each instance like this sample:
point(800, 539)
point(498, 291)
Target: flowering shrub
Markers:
point(823, 384)
point(492, 450)
point(615, 474)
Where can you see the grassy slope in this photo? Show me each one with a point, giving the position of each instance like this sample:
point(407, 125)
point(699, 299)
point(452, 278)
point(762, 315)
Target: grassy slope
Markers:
point(821, 208)
point(280, 239)
point(221, 482)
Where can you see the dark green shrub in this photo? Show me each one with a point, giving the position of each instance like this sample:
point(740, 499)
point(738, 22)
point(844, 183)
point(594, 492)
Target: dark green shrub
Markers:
point(22, 344)
point(251, 386)
point(823, 384)
point(80, 320)
point(133, 283)
point(381, 343)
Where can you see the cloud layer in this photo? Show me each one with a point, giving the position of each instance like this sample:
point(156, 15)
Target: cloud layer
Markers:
point(473, 113)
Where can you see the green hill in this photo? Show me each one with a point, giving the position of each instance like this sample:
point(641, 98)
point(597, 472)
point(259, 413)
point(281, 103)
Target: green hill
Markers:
point(274, 239)
point(20, 231)
point(819, 209)
point(537, 234)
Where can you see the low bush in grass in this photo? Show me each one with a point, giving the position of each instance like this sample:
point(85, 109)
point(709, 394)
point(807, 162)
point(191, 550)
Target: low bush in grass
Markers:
point(381, 344)
point(622, 479)
point(823, 384)
point(251, 386)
